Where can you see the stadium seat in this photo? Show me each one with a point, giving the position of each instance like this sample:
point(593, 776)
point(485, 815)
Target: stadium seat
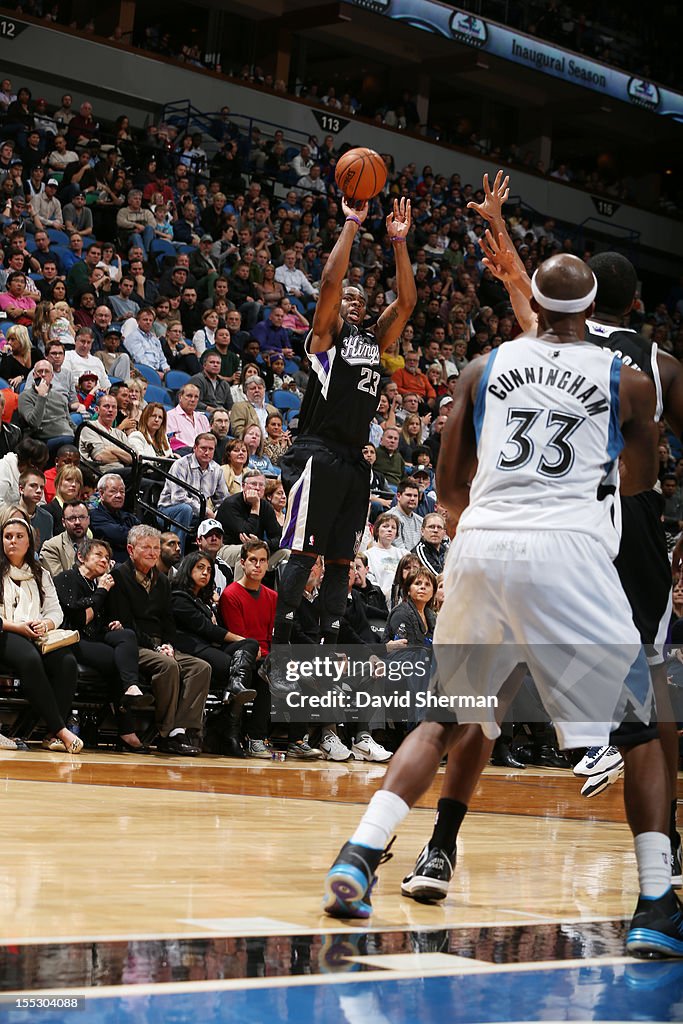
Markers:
point(287, 403)
point(159, 247)
point(175, 379)
point(58, 237)
point(150, 375)
point(158, 394)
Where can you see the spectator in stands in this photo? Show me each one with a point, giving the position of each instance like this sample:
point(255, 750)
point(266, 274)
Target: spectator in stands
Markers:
point(294, 281)
point(10, 433)
point(414, 614)
point(255, 410)
point(16, 362)
point(201, 472)
point(59, 553)
point(180, 355)
point(15, 302)
point(45, 409)
point(144, 346)
point(68, 486)
point(220, 428)
point(126, 303)
point(30, 609)
point(81, 360)
point(384, 555)
point(247, 513)
point(371, 595)
point(78, 216)
point(29, 453)
point(108, 519)
point(31, 493)
point(432, 547)
point(47, 209)
point(141, 601)
point(116, 363)
point(410, 524)
point(410, 380)
point(389, 461)
point(184, 422)
point(150, 439)
point(170, 554)
point(82, 127)
point(108, 455)
point(272, 336)
point(135, 224)
point(231, 656)
point(214, 393)
point(247, 608)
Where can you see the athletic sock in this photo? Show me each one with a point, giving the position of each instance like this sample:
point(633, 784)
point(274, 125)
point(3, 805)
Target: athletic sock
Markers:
point(334, 591)
point(653, 854)
point(673, 831)
point(385, 813)
point(290, 593)
point(449, 818)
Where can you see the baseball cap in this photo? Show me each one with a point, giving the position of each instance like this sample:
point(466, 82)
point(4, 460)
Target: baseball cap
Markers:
point(52, 181)
point(88, 374)
point(112, 330)
point(421, 471)
point(206, 238)
point(208, 526)
point(446, 400)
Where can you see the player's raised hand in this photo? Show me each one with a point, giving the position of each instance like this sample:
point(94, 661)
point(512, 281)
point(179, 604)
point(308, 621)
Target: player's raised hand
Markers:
point(360, 212)
point(399, 220)
point(491, 208)
point(498, 257)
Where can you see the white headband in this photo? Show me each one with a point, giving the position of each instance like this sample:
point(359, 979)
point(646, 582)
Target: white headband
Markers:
point(564, 305)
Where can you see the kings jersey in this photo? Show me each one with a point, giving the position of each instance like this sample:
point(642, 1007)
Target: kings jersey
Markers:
point(343, 389)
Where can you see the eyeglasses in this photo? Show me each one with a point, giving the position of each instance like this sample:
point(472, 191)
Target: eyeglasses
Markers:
point(76, 519)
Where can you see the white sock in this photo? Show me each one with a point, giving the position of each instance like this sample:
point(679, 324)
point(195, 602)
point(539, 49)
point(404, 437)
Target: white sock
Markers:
point(176, 732)
point(385, 813)
point(653, 854)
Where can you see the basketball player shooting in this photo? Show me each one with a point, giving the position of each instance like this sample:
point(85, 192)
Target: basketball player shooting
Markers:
point(326, 478)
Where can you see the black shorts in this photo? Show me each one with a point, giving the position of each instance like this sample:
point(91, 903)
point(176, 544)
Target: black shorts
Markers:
point(633, 734)
point(328, 493)
point(644, 569)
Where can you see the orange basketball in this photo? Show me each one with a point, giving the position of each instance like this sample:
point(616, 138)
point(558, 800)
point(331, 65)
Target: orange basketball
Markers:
point(360, 174)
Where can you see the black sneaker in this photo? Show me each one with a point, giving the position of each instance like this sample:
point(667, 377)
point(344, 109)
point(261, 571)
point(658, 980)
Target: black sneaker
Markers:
point(350, 880)
point(657, 927)
point(677, 864)
point(431, 876)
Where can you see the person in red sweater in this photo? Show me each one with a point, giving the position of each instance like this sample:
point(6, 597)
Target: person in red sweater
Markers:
point(411, 381)
point(248, 609)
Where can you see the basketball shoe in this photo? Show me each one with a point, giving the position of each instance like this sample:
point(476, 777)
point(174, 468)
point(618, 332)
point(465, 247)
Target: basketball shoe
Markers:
point(431, 876)
point(351, 878)
point(657, 927)
point(595, 784)
point(598, 761)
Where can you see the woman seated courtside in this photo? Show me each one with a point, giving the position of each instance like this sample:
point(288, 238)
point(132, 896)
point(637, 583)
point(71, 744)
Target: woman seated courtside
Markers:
point(198, 633)
point(29, 609)
point(105, 646)
point(68, 485)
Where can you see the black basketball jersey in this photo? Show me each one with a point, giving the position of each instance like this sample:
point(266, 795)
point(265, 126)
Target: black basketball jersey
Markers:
point(342, 393)
point(632, 348)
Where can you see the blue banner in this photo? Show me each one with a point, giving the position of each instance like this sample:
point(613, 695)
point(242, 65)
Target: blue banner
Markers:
point(432, 16)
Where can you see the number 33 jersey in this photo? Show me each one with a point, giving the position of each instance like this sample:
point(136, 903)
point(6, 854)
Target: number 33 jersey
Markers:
point(342, 393)
point(548, 434)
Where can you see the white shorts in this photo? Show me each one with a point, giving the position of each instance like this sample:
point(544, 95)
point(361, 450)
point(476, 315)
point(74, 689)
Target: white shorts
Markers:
point(554, 601)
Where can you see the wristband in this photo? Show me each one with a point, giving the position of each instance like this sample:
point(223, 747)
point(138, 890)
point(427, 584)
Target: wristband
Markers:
point(355, 219)
point(394, 240)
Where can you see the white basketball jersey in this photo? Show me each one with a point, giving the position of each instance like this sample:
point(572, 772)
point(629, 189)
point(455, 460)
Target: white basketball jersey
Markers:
point(548, 439)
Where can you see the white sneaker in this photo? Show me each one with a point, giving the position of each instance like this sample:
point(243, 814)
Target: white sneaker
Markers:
point(596, 784)
point(366, 749)
point(332, 748)
point(598, 761)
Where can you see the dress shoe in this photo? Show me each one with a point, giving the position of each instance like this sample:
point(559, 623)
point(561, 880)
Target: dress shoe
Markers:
point(176, 745)
point(548, 756)
point(272, 674)
point(137, 701)
point(502, 756)
point(130, 748)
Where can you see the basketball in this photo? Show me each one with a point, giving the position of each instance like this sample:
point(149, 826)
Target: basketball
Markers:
point(360, 174)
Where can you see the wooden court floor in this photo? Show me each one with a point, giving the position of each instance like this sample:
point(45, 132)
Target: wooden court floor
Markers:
point(153, 874)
